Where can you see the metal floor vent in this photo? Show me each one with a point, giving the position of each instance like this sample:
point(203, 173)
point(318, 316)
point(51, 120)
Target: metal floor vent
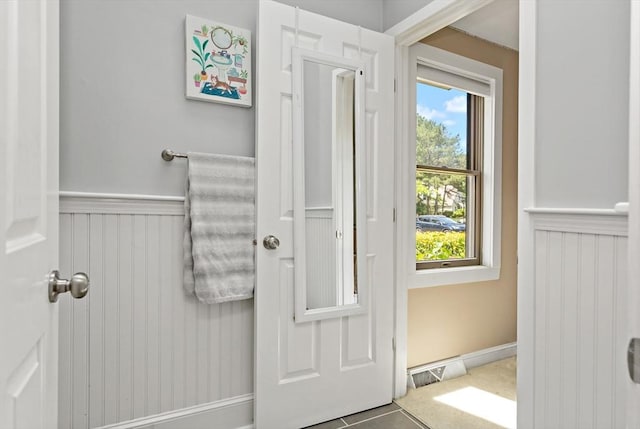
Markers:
point(426, 375)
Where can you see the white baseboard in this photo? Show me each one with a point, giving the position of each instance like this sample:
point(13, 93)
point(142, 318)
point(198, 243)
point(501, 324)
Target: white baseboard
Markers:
point(472, 360)
point(492, 354)
point(231, 413)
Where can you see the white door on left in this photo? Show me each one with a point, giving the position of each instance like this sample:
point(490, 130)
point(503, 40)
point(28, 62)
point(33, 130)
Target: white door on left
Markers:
point(29, 39)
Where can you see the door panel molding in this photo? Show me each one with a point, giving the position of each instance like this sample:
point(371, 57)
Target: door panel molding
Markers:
point(29, 125)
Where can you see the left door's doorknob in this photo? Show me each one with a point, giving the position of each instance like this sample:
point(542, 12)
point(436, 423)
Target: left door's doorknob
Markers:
point(78, 285)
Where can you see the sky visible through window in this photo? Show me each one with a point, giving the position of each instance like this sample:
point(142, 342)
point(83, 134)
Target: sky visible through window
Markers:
point(447, 107)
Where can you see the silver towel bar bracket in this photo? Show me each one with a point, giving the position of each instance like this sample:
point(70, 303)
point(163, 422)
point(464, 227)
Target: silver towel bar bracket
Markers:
point(168, 155)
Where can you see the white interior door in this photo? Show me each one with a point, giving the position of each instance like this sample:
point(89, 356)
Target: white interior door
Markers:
point(633, 390)
point(312, 371)
point(28, 212)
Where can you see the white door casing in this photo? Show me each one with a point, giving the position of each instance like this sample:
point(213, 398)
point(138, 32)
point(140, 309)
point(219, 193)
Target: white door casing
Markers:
point(424, 22)
point(633, 390)
point(29, 40)
point(314, 371)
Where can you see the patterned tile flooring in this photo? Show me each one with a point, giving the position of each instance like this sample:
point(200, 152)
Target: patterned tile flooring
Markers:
point(386, 417)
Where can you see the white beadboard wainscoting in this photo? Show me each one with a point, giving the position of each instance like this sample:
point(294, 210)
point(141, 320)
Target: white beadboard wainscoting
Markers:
point(579, 318)
point(137, 349)
point(320, 249)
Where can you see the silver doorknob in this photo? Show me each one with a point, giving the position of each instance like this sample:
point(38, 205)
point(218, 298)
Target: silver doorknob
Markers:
point(270, 242)
point(78, 286)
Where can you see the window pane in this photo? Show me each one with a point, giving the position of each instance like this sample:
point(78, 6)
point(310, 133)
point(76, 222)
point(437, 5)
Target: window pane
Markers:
point(441, 127)
point(448, 134)
point(444, 216)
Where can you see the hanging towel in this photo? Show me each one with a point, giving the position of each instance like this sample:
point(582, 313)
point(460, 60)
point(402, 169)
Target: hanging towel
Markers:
point(219, 226)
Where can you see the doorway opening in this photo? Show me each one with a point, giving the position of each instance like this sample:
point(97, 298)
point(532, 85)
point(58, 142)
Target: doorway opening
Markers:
point(461, 317)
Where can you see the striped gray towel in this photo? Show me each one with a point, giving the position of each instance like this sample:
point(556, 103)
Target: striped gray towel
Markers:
point(219, 227)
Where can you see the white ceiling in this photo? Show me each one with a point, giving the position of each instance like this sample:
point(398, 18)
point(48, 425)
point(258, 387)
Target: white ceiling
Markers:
point(496, 22)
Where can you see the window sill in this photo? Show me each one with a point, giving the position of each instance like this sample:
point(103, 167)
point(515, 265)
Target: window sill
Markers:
point(453, 276)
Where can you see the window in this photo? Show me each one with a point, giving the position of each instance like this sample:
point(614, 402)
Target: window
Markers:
point(448, 175)
point(454, 176)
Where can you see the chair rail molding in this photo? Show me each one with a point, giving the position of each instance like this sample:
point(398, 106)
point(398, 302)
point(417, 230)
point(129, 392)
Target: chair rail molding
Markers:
point(579, 221)
point(104, 203)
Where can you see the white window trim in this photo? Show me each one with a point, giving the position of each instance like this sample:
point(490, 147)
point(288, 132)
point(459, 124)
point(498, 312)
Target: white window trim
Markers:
point(491, 174)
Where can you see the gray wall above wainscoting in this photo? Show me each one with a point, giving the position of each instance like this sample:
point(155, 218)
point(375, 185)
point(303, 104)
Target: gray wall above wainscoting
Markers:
point(394, 11)
point(122, 90)
point(582, 94)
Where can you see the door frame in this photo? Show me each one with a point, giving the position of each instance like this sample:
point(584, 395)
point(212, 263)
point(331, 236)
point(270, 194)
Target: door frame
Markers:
point(633, 390)
point(426, 21)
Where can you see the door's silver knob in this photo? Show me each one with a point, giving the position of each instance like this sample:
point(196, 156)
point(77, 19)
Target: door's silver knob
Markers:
point(270, 242)
point(78, 286)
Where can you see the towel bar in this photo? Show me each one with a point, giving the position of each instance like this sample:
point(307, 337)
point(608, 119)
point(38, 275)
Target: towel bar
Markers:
point(168, 155)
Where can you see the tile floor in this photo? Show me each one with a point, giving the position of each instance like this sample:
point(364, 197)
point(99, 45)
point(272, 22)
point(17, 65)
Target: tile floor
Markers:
point(386, 417)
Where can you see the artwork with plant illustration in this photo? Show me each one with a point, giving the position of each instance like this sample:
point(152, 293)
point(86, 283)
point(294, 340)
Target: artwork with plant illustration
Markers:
point(218, 62)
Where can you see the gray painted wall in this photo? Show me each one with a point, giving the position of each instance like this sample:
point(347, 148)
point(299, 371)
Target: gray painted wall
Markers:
point(583, 105)
point(122, 90)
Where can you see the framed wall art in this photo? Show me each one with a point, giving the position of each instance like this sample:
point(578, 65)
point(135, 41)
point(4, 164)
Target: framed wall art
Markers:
point(218, 62)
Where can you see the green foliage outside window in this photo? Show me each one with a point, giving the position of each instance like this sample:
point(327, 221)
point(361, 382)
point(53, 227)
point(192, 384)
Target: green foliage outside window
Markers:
point(435, 145)
point(432, 245)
